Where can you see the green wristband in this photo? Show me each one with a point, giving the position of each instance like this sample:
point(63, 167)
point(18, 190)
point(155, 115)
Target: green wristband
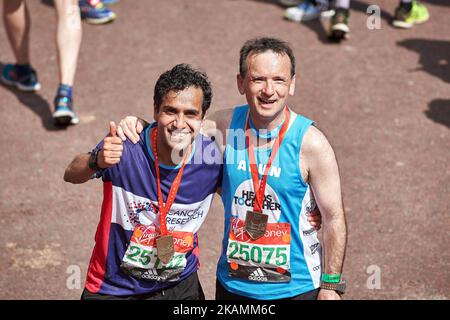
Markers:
point(331, 278)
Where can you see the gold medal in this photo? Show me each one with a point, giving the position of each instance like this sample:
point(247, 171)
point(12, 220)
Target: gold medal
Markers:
point(255, 224)
point(165, 248)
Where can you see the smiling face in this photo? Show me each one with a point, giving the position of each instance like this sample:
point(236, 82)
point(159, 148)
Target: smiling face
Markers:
point(266, 85)
point(178, 119)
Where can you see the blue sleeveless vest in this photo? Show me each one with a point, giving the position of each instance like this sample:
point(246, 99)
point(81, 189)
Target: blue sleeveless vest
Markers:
point(286, 261)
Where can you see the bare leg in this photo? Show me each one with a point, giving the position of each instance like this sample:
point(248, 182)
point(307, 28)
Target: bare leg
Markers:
point(17, 25)
point(68, 38)
point(345, 4)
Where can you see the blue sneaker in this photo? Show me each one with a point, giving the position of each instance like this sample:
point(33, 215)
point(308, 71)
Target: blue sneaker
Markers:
point(94, 12)
point(305, 11)
point(108, 2)
point(64, 115)
point(23, 77)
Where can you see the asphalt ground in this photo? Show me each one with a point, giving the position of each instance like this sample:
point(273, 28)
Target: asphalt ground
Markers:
point(382, 98)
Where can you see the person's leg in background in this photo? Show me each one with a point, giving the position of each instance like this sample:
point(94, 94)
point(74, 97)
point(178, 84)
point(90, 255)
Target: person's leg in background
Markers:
point(409, 13)
point(339, 28)
point(68, 41)
point(17, 24)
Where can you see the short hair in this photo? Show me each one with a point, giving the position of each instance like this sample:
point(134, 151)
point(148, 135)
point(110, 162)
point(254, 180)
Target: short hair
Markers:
point(260, 45)
point(179, 78)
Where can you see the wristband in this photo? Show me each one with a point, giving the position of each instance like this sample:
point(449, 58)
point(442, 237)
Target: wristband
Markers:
point(331, 278)
point(93, 158)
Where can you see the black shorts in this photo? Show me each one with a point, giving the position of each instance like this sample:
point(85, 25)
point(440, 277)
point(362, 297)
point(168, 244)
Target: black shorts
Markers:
point(224, 294)
point(188, 289)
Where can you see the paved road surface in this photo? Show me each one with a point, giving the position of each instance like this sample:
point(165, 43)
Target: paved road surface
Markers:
point(382, 98)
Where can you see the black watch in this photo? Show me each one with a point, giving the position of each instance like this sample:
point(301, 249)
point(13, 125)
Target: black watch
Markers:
point(338, 287)
point(93, 158)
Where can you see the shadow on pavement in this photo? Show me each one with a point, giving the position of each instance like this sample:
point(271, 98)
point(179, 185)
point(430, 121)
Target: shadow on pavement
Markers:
point(434, 56)
point(35, 103)
point(437, 2)
point(439, 111)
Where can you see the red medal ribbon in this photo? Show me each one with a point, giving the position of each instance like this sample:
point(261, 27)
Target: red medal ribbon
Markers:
point(164, 209)
point(259, 191)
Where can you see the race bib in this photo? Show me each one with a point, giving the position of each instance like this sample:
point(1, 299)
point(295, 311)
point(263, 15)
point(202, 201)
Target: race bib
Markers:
point(266, 259)
point(141, 258)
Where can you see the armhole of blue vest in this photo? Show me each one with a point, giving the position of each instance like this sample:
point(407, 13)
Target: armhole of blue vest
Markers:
point(305, 124)
point(237, 113)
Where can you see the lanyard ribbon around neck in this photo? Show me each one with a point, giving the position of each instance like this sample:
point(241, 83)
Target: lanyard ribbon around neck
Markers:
point(164, 208)
point(258, 187)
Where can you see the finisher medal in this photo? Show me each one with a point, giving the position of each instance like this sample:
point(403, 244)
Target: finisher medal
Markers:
point(165, 248)
point(255, 224)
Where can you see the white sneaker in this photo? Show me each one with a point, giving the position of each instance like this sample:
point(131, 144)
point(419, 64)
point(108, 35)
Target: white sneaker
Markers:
point(305, 11)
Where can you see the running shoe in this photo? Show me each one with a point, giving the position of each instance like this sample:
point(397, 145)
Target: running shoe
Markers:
point(94, 12)
point(305, 11)
point(406, 19)
point(64, 115)
point(339, 24)
point(23, 77)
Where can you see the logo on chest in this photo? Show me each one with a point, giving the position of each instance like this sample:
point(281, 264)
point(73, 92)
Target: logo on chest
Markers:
point(274, 171)
point(244, 200)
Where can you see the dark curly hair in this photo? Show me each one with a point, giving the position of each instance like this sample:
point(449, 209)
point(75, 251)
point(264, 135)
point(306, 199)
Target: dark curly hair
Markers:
point(260, 45)
point(181, 77)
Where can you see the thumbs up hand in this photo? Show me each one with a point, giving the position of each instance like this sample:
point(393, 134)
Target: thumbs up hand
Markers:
point(112, 129)
point(112, 148)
